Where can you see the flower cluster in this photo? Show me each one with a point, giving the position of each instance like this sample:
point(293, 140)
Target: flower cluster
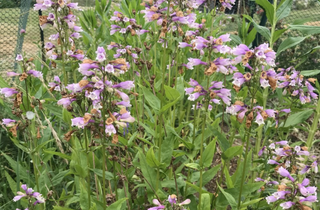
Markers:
point(98, 91)
point(290, 163)
point(215, 92)
point(172, 201)
point(125, 25)
point(29, 194)
point(64, 21)
point(294, 83)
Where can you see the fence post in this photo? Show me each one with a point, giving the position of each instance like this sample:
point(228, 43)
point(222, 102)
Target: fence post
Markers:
point(24, 13)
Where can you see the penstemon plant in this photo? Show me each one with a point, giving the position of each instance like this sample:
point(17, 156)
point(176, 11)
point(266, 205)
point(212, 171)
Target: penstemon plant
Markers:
point(150, 105)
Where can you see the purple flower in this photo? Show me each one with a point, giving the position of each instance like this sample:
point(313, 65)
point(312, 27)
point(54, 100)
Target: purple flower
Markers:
point(172, 199)
point(109, 68)
point(51, 17)
point(311, 198)
point(287, 205)
point(128, 85)
point(194, 62)
point(259, 119)
point(273, 162)
point(110, 129)
point(261, 151)
point(12, 74)
point(8, 122)
point(271, 199)
point(19, 57)
point(283, 172)
point(35, 73)
point(159, 206)
point(79, 122)
point(84, 68)
point(22, 31)
point(65, 102)
point(8, 92)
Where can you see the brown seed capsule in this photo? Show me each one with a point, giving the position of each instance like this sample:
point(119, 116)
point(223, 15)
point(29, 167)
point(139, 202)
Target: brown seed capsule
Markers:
point(123, 111)
point(240, 103)
point(250, 116)
point(83, 83)
point(38, 133)
point(179, 14)
point(133, 32)
point(263, 75)
point(212, 94)
point(219, 41)
point(304, 148)
point(155, 16)
point(109, 121)
point(264, 115)
point(115, 139)
point(88, 61)
point(248, 54)
point(312, 80)
point(23, 76)
point(245, 60)
point(153, 9)
point(272, 83)
point(236, 88)
point(13, 130)
point(86, 118)
point(198, 88)
point(282, 187)
point(247, 76)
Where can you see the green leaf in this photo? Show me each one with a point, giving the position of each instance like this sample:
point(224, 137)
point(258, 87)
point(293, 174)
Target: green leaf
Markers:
point(289, 42)
point(64, 156)
point(268, 7)
point(299, 117)
point(117, 205)
point(66, 116)
point(84, 202)
point(222, 140)
point(264, 31)
point(57, 179)
point(232, 152)
point(250, 202)
point(278, 33)
point(284, 10)
point(148, 172)
point(209, 153)
point(171, 93)
point(3, 83)
point(99, 172)
point(205, 202)
point(195, 166)
point(22, 171)
point(229, 198)
point(305, 29)
point(151, 159)
point(11, 182)
point(209, 174)
point(309, 73)
point(61, 208)
point(251, 36)
point(153, 100)
point(228, 178)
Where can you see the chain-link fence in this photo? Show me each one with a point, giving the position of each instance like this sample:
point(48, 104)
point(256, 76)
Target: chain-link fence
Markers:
point(17, 15)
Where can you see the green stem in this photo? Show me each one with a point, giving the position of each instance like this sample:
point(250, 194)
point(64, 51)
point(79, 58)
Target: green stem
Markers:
point(274, 23)
point(314, 126)
point(244, 167)
point(88, 165)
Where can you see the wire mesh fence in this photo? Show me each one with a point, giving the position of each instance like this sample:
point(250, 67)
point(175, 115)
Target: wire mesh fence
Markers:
point(19, 14)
